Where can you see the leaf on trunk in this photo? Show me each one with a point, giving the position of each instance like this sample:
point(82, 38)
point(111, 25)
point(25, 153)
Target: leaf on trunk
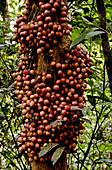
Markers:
point(57, 154)
point(73, 108)
point(57, 122)
point(47, 148)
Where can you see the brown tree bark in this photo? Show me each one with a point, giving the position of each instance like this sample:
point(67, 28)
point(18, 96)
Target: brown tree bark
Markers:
point(60, 165)
point(105, 43)
point(104, 40)
point(44, 65)
point(4, 10)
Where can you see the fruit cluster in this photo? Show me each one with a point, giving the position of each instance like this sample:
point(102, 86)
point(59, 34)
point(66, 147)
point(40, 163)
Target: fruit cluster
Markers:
point(55, 94)
point(42, 25)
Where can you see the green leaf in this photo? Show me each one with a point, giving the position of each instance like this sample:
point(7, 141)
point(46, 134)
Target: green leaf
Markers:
point(90, 82)
point(101, 95)
point(109, 145)
point(99, 135)
point(86, 21)
point(47, 148)
point(1, 116)
point(1, 95)
point(81, 37)
point(105, 103)
point(86, 34)
point(102, 147)
point(57, 122)
point(91, 99)
point(98, 97)
point(106, 160)
point(1, 47)
point(57, 154)
point(109, 24)
point(91, 34)
point(16, 137)
point(87, 120)
point(73, 108)
point(1, 41)
point(0, 109)
point(76, 13)
point(85, 110)
point(75, 34)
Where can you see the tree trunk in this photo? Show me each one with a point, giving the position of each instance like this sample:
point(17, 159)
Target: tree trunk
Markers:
point(61, 164)
point(4, 10)
point(104, 40)
point(43, 64)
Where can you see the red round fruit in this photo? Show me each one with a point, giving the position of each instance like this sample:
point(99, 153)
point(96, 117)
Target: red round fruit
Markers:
point(63, 112)
point(46, 102)
point(32, 103)
point(58, 65)
point(37, 145)
point(42, 113)
point(39, 132)
point(20, 139)
point(44, 90)
point(33, 139)
point(56, 87)
point(49, 76)
point(47, 127)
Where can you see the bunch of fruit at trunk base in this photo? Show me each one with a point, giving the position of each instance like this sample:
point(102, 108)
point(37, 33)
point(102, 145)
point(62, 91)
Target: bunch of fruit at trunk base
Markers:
point(55, 94)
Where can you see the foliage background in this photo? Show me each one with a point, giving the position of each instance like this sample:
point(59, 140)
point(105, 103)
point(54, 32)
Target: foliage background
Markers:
point(96, 150)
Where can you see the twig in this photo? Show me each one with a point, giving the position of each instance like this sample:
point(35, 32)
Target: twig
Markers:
point(79, 161)
point(101, 123)
point(10, 160)
point(90, 143)
point(97, 122)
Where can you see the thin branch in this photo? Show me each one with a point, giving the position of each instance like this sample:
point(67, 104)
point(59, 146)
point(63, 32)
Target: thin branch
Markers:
point(7, 10)
point(79, 160)
point(101, 123)
point(97, 122)
point(103, 30)
point(90, 143)
point(10, 160)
